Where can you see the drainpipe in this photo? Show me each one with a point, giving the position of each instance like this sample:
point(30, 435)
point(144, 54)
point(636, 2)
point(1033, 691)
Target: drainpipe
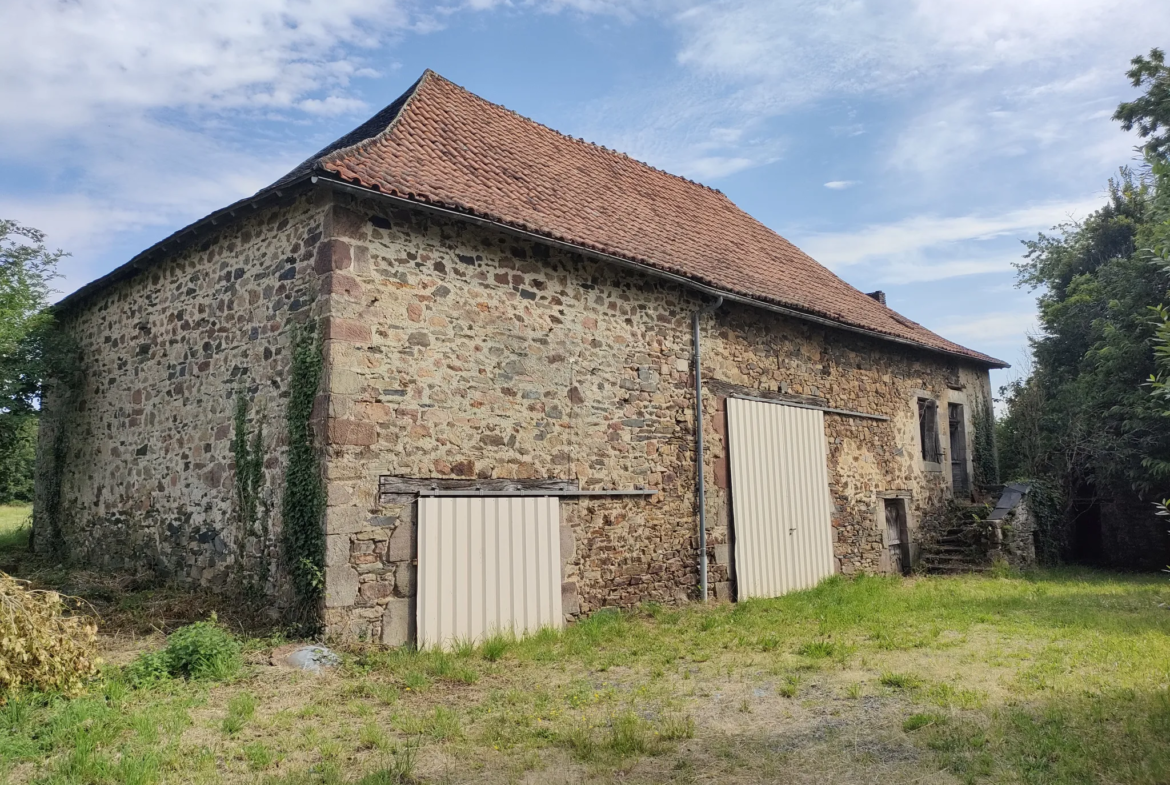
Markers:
point(702, 482)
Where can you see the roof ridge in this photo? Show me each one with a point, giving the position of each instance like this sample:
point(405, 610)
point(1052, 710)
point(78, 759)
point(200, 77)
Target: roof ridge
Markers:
point(404, 102)
point(575, 139)
point(363, 133)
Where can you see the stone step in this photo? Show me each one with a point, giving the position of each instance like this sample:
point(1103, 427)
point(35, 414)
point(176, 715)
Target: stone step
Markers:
point(955, 569)
point(948, 546)
point(952, 558)
point(952, 550)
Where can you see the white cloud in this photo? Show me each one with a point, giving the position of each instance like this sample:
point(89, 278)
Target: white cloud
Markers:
point(980, 79)
point(841, 185)
point(991, 328)
point(688, 133)
point(84, 61)
point(924, 248)
point(139, 177)
point(802, 49)
point(140, 114)
point(80, 224)
point(919, 233)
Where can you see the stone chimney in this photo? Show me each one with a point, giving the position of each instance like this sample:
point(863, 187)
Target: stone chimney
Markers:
point(879, 295)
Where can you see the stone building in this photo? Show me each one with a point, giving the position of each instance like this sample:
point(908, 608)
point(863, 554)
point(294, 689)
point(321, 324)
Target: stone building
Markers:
point(495, 308)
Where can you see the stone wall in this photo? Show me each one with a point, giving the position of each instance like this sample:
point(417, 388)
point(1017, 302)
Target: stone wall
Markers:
point(146, 480)
point(455, 351)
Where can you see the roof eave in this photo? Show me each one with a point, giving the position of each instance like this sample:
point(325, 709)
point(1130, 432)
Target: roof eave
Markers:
point(195, 230)
point(334, 181)
point(182, 238)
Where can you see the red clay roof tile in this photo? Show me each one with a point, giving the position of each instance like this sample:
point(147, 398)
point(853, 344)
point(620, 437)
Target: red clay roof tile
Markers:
point(445, 146)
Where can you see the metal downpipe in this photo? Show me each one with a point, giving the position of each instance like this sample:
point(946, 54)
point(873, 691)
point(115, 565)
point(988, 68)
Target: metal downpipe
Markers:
point(701, 486)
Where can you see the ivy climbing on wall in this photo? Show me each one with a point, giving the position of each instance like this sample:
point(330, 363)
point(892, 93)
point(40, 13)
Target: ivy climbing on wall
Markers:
point(303, 505)
point(252, 508)
point(59, 387)
point(984, 460)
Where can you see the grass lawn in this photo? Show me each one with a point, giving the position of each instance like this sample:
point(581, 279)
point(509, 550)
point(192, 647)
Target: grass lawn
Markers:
point(1051, 677)
point(14, 525)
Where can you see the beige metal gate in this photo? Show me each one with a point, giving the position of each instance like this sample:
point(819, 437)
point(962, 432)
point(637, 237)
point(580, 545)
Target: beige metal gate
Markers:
point(485, 565)
point(780, 497)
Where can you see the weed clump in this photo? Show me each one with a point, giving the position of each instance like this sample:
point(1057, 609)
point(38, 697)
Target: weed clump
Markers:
point(495, 647)
point(916, 721)
point(819, 649)
point(42, 645)
point(200, 651)
point(241, 708)
point(900, 681)
point(627, 735)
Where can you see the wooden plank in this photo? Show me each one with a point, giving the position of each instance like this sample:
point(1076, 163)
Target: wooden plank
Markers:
point(729, 390)
point(390, 488)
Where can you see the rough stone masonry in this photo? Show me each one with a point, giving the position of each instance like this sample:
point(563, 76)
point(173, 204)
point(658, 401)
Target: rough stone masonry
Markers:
point(453, 352)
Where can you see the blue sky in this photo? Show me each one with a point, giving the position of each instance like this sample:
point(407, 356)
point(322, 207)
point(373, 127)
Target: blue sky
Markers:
point(907, 144)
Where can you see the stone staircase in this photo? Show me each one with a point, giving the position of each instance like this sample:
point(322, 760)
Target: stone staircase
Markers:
point(953, 552)
point(967, 545)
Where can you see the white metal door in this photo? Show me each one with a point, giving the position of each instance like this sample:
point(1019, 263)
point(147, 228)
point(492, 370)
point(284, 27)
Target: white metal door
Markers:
point(486, 565)
point(780, 497)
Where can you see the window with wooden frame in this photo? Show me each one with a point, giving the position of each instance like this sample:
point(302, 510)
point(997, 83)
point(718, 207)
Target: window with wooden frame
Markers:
point(928, 430)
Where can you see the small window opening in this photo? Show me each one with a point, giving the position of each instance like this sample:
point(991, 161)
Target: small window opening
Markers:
point(928, 430)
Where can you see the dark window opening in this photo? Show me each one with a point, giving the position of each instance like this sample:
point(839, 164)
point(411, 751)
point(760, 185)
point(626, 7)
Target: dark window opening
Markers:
point(928, 430)
point(958, 431)
point(897, 536)
point(1087, 541)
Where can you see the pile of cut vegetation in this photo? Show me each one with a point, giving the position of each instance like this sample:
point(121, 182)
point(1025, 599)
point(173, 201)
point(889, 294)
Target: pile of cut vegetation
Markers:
point(44, 643)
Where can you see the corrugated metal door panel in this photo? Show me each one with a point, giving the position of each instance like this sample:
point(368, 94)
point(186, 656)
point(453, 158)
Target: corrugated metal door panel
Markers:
point(487, 564)
point(780, 497)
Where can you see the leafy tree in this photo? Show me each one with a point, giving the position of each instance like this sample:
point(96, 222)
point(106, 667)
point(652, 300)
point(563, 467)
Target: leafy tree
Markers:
point(18, 455)
point(1097, 423)
point(27, 267)
point(1092, 417)
point(1150, 112)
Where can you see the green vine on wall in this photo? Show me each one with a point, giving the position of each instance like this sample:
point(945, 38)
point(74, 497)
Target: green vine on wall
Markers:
point(252, 509)
point(303, 507)
point(59, 387)
point(984, 461)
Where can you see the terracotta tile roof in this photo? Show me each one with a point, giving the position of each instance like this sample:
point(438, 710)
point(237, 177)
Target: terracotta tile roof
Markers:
point(442, 145)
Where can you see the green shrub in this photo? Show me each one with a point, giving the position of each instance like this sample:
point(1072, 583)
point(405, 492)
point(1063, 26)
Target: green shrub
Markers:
point(202, 650)
point(150, 668)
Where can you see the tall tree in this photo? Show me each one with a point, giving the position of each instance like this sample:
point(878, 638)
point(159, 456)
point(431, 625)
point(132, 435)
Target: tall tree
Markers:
point(1149, 112)
point(1091, 418)
point(27, 267)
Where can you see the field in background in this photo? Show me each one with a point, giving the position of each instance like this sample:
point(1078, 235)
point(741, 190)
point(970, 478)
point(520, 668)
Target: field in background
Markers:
point(1052, 677)
point(14, 525)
